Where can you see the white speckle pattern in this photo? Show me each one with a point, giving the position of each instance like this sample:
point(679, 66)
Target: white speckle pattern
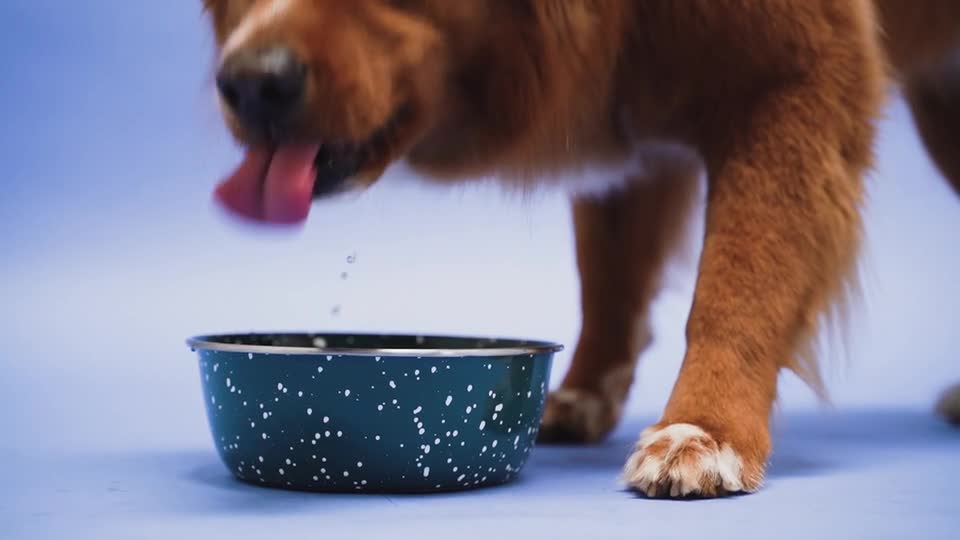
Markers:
point(431, 445)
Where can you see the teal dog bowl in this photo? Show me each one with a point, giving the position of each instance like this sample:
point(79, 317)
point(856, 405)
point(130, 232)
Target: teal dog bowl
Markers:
point(373, 413)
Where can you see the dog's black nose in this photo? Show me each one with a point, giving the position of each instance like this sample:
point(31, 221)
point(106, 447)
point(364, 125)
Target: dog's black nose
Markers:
point(263, 87)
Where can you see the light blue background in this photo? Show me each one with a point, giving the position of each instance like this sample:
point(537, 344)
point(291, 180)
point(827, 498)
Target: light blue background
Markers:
point(113, 254)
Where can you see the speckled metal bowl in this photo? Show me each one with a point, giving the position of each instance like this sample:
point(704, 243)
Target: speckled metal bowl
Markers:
point(337, 412)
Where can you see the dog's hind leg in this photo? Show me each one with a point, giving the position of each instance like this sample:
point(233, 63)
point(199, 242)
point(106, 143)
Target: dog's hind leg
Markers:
point(949, 405)
point(934, 98)
point(623, 239)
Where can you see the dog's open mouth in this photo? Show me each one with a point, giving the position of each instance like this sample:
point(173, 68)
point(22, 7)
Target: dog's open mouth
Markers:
point(277, 183)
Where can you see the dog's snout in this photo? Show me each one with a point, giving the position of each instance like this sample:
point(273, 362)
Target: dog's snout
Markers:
point(263, 87)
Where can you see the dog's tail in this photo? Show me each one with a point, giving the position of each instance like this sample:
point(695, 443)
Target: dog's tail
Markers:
point(922, 43)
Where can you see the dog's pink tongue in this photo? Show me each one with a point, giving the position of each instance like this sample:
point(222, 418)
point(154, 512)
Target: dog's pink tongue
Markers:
point(273, 187)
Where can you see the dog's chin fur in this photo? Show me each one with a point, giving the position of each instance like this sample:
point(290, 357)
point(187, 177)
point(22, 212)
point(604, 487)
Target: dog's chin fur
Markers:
point(629, 103)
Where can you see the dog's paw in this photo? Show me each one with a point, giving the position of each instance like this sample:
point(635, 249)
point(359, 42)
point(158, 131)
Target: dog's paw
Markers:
point(683, 460)
point(949, 405)
point(575, 416)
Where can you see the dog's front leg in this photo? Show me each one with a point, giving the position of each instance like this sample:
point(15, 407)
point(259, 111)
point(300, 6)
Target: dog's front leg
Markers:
point(623, 239)
point(782, 230)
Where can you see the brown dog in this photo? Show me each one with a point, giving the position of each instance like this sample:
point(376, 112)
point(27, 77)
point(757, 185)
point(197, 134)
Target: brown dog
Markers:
point(775, 100)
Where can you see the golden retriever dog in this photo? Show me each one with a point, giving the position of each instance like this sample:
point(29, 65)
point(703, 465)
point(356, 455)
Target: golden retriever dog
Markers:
point(774, 102)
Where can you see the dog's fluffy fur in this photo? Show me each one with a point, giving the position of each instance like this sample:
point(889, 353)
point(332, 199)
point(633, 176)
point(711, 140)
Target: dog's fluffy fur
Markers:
point(775, 100)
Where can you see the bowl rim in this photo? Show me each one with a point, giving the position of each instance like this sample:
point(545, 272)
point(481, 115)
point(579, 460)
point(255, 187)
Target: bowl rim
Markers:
point(208, 342)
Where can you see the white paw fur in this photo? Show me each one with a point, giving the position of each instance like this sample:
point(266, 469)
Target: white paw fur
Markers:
point(706, 467)
point(584, 410)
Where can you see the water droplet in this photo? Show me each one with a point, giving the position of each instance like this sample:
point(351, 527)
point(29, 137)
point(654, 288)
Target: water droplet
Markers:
point(335, 310)
point(351, 258)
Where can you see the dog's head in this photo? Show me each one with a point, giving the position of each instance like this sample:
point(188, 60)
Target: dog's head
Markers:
point(324, 94)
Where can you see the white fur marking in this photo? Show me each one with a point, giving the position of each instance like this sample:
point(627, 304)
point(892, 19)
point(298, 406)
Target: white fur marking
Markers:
point(645, 472)
point(567, 396)
point(258, 17)
point(647, 160)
